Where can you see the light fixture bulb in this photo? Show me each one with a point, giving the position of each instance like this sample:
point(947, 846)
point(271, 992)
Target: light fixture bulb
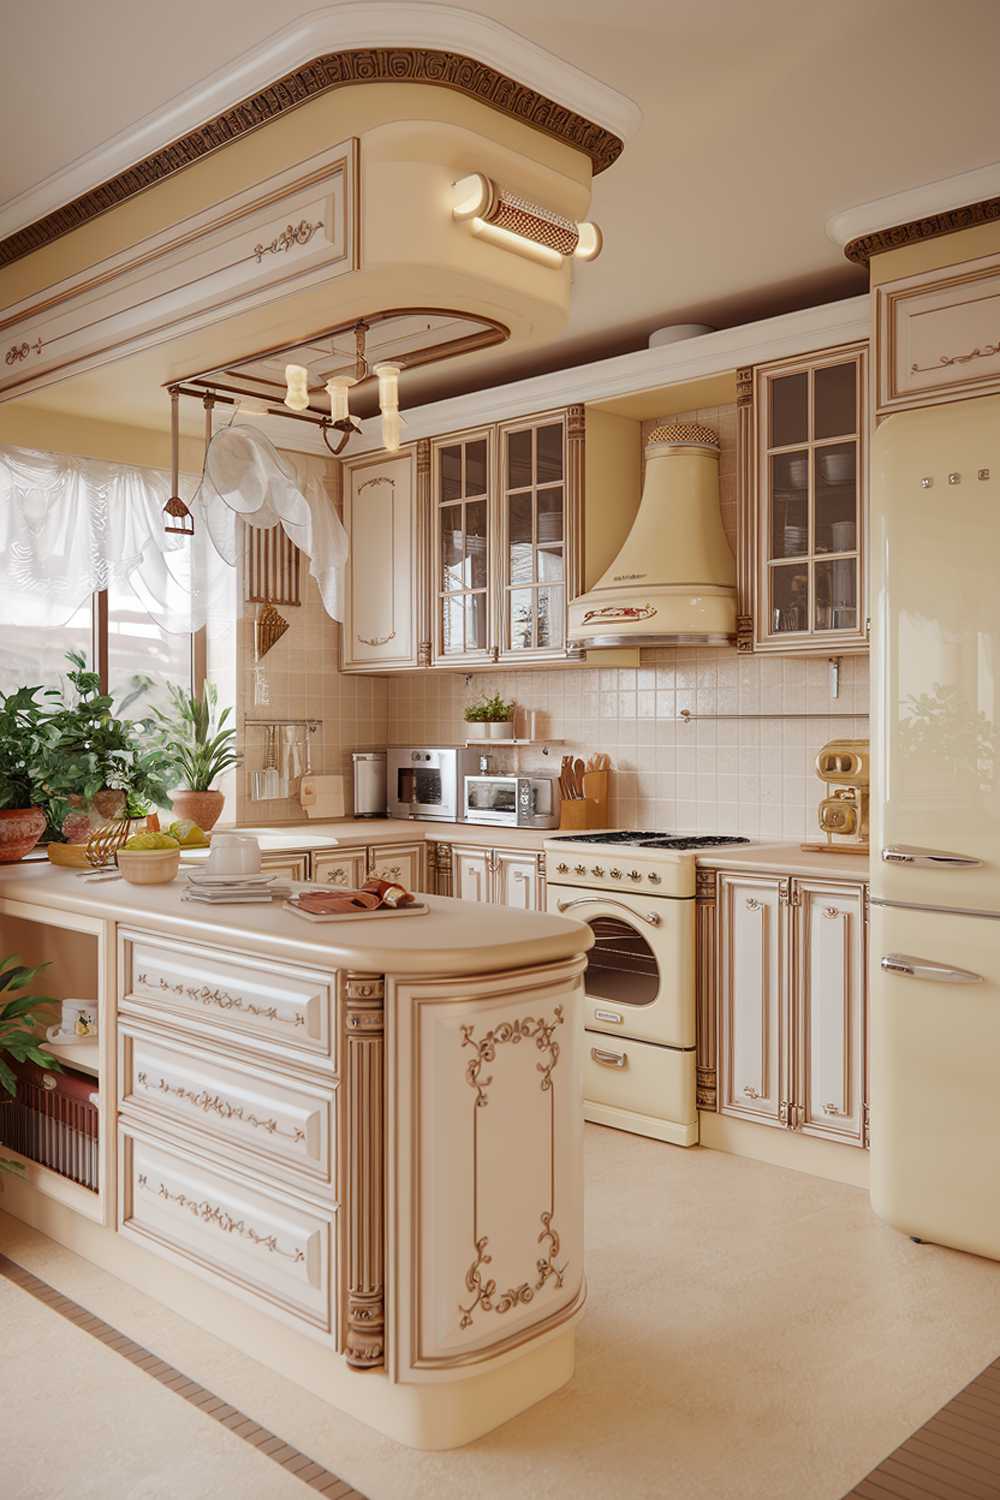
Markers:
point(388, 386)
point(392, 425)
point(297, 381)
point(471, 196)
point(591, 241)
point(338, 390)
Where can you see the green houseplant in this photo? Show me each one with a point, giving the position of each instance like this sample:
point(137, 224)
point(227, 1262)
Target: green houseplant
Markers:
point(18, 1038)
point(490, 718)
point(90, 764)
point(200, 746)
point(22, 820)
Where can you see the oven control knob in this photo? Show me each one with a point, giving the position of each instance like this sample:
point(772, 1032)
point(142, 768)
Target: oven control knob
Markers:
point(615, 874)
point(598, 871)
point(654, 879)
point(579, 869)
point(634, 875)
point(562, 869)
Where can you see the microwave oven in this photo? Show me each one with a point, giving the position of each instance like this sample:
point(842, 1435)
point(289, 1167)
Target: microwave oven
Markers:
point(513, 801)
point(426, 781)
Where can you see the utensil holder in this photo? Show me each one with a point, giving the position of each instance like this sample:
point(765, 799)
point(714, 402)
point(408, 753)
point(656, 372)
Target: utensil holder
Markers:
point(590, 810)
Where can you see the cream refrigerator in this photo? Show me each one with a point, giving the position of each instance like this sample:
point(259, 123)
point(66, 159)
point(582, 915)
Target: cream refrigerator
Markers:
point(935, 880)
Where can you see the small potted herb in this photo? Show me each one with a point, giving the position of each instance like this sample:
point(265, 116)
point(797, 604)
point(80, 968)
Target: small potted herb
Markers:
point(490, 718)
point(200, 746)
point(22, 820)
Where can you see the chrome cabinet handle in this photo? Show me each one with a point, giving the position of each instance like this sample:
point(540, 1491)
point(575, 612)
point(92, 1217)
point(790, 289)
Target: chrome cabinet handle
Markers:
point(912, 854)
point(926, 968)
point(609, 1059)
point(652, 917)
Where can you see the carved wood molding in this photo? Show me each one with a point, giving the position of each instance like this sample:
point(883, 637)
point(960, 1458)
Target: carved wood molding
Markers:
point(330, 70)
point(363, 1236)
point(931, 227)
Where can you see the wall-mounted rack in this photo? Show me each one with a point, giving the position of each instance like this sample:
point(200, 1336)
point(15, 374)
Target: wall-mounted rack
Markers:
point(311, 724)
point(686, 717)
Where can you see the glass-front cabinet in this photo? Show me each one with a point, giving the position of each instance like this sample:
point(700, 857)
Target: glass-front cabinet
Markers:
point(503, 520)
point(810, 511)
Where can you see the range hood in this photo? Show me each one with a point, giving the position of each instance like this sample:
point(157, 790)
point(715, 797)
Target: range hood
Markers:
point(674, 581)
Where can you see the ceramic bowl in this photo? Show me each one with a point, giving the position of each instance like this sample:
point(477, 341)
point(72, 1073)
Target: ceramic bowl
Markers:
point(149, 866)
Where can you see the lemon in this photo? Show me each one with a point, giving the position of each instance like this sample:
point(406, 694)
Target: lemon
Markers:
point(146, 842)
point(188, 834)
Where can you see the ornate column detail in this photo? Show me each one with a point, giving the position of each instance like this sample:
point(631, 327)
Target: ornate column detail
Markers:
point(363, 1230)
point(441, 864)
point(746, 530)
point(576, 436)
point(425, 604)
point(706, 988)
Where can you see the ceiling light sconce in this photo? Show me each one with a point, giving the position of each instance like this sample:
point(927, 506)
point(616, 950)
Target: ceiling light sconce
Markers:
point(297, 381)
point(388, 401)
point(179, 520)
point(339, 389)
point(515, 223)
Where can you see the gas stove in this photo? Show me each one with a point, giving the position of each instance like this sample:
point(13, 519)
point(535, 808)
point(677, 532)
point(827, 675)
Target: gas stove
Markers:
point(630, 839)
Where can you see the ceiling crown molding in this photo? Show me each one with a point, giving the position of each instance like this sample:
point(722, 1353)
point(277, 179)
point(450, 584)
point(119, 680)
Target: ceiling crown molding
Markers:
point(388, 41)
point(920, 213)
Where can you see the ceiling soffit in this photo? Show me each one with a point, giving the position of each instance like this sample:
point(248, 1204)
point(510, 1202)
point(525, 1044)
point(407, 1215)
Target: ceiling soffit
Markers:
point(332, 70)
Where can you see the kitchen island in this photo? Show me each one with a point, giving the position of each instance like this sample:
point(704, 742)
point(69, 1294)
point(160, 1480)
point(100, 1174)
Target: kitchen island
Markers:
point(352, 1149)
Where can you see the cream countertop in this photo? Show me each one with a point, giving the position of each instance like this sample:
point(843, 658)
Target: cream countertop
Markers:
point(785, 859)
point(286, 838)
point(455, 938)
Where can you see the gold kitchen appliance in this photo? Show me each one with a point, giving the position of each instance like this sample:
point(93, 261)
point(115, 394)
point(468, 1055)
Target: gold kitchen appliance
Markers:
point(844, 766)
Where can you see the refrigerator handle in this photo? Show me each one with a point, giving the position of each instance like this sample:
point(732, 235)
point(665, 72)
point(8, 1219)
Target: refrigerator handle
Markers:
point(911, 854)
point(926, 968)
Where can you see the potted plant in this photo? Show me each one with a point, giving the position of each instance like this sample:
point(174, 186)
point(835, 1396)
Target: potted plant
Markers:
point(22, 820)
point(18, 1037)
point(90, 764)
point(200, 746)
point(490, 718)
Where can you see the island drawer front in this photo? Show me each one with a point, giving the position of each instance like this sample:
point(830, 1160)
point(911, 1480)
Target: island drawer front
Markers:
point(279, 1125)
point(294, 1008)
point(262, 1245)
point(640, 1076)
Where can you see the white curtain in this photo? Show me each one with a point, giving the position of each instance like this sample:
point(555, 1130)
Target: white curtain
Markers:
point(70, 526)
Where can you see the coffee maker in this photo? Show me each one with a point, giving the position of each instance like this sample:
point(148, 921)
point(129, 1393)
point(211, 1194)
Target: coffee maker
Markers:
point(843, 813)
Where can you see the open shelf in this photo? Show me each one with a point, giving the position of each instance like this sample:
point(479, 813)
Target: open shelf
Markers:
point(84, 1056)
point(508, 744)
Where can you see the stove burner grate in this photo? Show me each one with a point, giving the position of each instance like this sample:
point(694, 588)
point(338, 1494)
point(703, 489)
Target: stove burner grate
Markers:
point(668, 842)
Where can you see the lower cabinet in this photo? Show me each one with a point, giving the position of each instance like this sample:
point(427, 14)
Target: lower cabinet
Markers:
point(508, 877)
point(288, 866)
point(350, 867)
point(792, 1013)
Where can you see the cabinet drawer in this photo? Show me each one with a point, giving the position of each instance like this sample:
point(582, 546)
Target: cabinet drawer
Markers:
point(639, 1077)
point(283, 1005)
point(288, 866)
point(347, 868)
point(278, 1125)
point(223, 1226)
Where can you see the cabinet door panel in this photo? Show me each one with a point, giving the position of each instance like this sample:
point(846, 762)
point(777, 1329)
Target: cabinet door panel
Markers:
point(347, 868)
point(402, 862)
point(830, 1010)
point(287, 866)
point(463, 496)
point(516, 880)
point(753, 1011)
point(471, 874)
point(535, 526)
point(381, 514)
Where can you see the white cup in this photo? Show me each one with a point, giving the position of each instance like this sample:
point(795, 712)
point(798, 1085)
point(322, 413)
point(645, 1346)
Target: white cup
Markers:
point(79, 1019)
point(234, 854)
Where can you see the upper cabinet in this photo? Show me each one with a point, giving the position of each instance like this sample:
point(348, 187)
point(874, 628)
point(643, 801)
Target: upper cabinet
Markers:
point(803, 517)
point(506, 504)
point(384, 516)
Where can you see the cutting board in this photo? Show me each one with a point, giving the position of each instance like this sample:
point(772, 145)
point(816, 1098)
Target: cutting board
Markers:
point(417, 910)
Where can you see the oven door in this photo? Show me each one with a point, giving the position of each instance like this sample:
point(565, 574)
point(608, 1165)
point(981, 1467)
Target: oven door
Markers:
point(423, 784)
point(640, 972)
point(491, 799)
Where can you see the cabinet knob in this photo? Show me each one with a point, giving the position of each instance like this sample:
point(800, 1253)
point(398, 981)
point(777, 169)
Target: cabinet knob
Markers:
point(597, 871)
point(615, 874)
point(634, 875)
point(579, 869)
point(654, 879)
point(562, 869)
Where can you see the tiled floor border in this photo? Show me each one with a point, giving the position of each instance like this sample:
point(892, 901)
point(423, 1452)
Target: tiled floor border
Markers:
point(954, 1456)
point(287, 1457)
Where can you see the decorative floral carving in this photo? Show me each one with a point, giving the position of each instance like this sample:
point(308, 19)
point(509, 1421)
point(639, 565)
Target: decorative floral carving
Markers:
point(753, 904)
point(211, 1213)
point(210, 1103)
point(986, 351)
point(751, 1092)
point(205, 995)
point(540, 1031)
point(293, 234)
point(17, 352)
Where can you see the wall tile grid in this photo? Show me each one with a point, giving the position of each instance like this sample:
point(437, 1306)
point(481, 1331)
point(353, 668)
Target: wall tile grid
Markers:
point(752, 777)
point(299, 678)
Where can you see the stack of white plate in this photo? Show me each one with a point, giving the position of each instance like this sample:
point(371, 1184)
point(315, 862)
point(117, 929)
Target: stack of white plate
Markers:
point(228, 890)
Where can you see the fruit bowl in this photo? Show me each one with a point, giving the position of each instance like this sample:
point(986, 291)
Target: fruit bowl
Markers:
point(149, 866)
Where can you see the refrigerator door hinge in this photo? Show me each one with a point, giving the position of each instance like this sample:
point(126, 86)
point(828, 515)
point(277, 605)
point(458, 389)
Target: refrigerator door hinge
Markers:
point(866, 1134)
point(868, 628)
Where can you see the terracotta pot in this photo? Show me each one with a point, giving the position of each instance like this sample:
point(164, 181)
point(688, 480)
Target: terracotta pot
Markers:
point(203, 808)
point(20, 830)
point(107, 806)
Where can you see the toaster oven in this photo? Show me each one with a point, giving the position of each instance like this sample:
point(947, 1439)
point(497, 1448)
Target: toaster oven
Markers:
point(512, 801)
